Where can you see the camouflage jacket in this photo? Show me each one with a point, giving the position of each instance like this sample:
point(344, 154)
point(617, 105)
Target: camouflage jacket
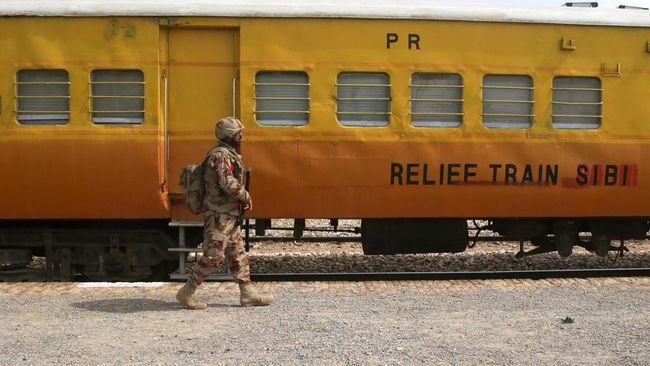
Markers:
point(223, 177)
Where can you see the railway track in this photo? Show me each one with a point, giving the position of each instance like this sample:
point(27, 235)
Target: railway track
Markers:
point(39, 276)
point(431, 276)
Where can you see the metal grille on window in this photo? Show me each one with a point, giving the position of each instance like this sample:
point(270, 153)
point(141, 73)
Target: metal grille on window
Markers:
point(507, 101)
point(363, 99)
point(577, 102)
point(42, 97)
point(117, 96)
point(436, 100)
point(281, 98)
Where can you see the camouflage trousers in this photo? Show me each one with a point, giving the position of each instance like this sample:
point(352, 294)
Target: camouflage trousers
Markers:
point(222, 237)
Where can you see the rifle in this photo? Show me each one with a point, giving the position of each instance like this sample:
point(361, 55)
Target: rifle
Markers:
point(240, 219)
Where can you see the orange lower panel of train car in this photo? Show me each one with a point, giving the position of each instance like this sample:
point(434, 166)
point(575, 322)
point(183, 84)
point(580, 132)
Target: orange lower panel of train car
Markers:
point(121, 179)
point(440, 179)
point(81, 180)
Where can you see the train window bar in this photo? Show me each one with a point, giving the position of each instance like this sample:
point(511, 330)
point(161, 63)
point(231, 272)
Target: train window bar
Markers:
point(508, 101)
point(437, 114)
point(281, 98)
point(42, 97)
point(280, 112)
point(365, 113)
point(576, 102)
point(363, 99)
point(117, 96)
point(364, 85)
point(436, 100)
point(278, 84)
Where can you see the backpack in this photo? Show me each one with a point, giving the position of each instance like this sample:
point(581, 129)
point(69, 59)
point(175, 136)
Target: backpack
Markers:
point(191, 180)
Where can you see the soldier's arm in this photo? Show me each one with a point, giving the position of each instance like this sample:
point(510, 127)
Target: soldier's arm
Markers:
point(227, 181)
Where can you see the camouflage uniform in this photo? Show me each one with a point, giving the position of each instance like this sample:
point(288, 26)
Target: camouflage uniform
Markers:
point(223, 199)
point(224, 195)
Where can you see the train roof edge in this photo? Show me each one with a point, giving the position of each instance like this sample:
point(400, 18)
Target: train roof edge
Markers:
point(461, 10)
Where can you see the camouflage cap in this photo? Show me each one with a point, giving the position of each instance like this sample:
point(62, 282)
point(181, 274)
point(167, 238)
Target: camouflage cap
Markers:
point(227, 127)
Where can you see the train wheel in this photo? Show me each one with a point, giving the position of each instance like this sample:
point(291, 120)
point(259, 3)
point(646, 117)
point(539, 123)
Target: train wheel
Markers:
point(372, 237)
point(601, 244)
point(566, 234)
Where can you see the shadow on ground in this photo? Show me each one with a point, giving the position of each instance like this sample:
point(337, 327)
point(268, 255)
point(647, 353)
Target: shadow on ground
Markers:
point(125, 306)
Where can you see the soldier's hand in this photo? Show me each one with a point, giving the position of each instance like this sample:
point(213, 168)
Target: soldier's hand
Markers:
point(248, 206)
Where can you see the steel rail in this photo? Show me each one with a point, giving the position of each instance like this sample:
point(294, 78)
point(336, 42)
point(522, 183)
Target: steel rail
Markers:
point(310, 239)
point(357, 238)
point(430, 276)
point(29, 275)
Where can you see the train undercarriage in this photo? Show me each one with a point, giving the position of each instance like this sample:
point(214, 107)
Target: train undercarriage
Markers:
point(559, 235)
point(429, 235)
point(123, 250)
point(135, 250)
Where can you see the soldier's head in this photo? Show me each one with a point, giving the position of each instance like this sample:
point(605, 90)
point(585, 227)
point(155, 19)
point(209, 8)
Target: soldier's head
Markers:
point(229, 130)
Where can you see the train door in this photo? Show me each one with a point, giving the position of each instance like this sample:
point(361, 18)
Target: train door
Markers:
point(201, 78)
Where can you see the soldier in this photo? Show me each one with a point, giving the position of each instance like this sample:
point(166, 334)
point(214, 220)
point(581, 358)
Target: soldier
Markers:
point(224, 197)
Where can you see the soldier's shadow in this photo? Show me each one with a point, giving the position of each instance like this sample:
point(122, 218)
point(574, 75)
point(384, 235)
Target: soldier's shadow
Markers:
point(126, 306)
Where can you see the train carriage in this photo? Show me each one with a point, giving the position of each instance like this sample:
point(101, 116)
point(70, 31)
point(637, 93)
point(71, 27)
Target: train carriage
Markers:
point(413, 118)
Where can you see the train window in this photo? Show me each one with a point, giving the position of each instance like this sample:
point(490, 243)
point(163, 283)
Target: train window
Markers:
point(117, 96)
point(577, 102)
point(507, 101)
point(436, 100)
point(363, 99)
point(42, 97)
point(281, 98)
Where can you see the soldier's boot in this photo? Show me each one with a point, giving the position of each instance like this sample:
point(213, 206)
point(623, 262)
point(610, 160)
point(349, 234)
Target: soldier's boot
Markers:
point(185, 296)
point(250, 297)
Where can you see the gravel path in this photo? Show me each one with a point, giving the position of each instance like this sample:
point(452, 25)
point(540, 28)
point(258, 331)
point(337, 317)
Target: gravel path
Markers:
point(516, 322)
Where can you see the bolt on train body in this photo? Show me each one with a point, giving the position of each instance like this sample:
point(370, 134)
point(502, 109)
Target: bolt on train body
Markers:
point(413, 118)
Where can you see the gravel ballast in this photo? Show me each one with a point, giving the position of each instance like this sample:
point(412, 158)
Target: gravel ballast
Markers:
point(314, 261)
point(325, 257)
point(504, 322)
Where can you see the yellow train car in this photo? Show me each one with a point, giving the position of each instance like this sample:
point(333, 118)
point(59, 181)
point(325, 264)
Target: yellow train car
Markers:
point(414, 119)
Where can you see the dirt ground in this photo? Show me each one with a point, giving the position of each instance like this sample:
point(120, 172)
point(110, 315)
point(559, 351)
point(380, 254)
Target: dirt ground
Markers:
point(597, 321)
